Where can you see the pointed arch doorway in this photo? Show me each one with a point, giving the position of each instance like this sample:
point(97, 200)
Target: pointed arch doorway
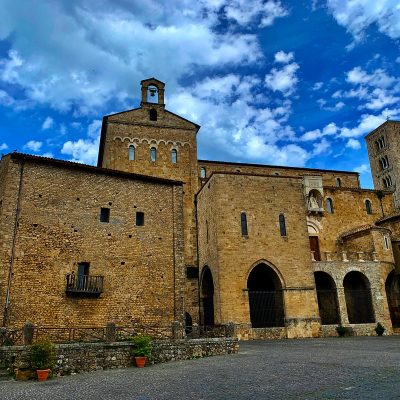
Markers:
point(265, 297)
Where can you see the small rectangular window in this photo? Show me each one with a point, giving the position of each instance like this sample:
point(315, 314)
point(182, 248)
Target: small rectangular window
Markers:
point(387, 245)
point(139, 218)
point(104, 214)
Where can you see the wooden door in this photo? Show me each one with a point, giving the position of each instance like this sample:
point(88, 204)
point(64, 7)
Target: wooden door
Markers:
point(314, 246)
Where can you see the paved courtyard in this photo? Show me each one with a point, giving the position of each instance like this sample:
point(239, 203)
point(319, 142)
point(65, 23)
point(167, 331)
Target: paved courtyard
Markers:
point(335, 368)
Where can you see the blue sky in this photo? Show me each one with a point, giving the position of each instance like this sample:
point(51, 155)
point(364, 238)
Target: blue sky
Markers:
point(295, 83)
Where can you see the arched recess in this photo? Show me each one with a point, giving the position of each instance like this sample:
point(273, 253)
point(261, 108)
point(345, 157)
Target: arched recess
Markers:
point(328, 304)
point(392, 287)
point(265, 297)
point(357, 292)
point(207, 297)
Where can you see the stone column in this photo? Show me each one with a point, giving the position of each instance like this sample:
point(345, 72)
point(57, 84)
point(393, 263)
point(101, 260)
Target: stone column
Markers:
point(342, 305)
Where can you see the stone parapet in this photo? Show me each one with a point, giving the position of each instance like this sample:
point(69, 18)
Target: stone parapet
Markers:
point(88, 357)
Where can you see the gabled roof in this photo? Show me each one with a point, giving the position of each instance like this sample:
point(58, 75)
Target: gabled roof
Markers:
point(88, 168)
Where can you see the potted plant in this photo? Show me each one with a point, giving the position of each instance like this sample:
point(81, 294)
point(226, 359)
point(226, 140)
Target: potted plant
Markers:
point(379, 329)
point(342, 330)
point(42, 357)
point(141, 349)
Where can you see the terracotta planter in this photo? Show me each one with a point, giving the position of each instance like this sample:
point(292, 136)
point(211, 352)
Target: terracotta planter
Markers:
point(140, 361)
point(42, 374)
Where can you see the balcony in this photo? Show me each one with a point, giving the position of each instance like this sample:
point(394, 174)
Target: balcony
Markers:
point(84, 285)
point(345, 256)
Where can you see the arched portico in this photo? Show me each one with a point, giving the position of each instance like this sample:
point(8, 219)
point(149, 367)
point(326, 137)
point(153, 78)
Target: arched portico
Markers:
point(265, 297)
point(328, 304)
point(392, 287)
point(357, 292)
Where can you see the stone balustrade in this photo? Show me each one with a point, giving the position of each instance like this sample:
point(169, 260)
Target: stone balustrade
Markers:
point(345, 256)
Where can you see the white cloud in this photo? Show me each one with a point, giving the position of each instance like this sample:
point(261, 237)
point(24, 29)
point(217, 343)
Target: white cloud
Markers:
point(282, 57)
point(283, 80)
point(353, 144)
point(123, 42)
point(84, 151)
point(328, 130)
point(264, 13)
point(378, 78)
point(362, 169)
point(237, 124)
point(33, 145)
point(317, 86)
point(357, 15)
point(3, 146)
point(47, 123)
point(321, 147)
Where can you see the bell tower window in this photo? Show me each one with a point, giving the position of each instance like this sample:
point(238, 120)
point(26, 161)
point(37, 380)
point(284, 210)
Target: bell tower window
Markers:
point(174, 156)
point(153, 154)
point(131, 153)
point(153, 114)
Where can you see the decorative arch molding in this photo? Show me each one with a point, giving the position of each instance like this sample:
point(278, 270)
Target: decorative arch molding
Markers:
point(152, 141)
point(269, 264)
point(314, 225)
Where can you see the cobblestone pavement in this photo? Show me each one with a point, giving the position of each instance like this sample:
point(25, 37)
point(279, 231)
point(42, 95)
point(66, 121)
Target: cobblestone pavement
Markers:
point(334, 368)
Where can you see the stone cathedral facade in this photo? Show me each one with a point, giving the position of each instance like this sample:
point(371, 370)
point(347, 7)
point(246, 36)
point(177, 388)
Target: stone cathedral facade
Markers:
point(154, 235)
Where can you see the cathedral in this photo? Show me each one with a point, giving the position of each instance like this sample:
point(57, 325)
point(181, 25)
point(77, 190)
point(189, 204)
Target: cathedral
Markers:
point(153, 235)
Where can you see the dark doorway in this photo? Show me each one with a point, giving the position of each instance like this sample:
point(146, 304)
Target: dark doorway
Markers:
point(265, 297)
point(327, 299)
point(392, 287)
point(207, 297)
point(358, 298)
point(314, 246)
point(83, 273)
point(188, 323)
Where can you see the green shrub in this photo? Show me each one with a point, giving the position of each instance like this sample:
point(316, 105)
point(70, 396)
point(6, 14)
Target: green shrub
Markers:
point(141, 346)
point(379, 329)
point(342, 330)
point(43, 354)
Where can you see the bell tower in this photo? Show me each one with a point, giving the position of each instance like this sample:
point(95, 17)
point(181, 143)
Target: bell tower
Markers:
point(152, 141)
point(152, 93)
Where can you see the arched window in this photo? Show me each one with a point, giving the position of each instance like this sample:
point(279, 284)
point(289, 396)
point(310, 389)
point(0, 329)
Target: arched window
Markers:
point(329, 205)
point(338, 182)
point(202, 172)
point(243, 223)
point(153, 114)
point(174, 156)
point(153, 154)
point(282, 224)
point(368, 206)
point(131, 153)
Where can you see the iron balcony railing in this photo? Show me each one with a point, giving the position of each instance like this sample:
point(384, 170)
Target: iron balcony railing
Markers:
point(84, 284)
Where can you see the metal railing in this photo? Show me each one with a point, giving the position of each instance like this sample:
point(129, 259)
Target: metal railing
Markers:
point(84, 284)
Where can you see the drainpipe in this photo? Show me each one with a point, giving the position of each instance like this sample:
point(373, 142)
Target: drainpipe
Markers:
point(14, 240)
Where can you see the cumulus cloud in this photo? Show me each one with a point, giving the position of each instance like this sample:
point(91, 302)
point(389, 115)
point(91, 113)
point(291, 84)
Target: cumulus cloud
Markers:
point(54, 72)
point(237, 123)
point(353, 144)
point(47, 123)
point(282, 57)
point(357, 15)
point(362, 169)
point(328, 130)
point(84, 151)
point(33, 145)
point(283, 80)
point(3, 146)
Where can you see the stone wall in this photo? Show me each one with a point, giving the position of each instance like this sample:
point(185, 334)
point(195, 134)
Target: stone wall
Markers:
point(87, 357)
point(59, 226)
